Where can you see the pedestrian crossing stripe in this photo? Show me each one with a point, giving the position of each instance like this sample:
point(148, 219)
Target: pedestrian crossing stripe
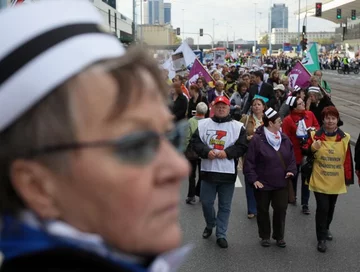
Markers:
point(238, 182)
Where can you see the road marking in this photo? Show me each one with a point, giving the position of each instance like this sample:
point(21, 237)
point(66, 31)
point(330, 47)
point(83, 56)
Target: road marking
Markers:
point(238, 182)
point(357, 119)
point(345, 100)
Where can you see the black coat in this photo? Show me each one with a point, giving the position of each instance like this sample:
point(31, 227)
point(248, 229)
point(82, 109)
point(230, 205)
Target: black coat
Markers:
point(61, 260)
point(266, 91)
point(192, 105)
point(179, 107)
point(357, 155)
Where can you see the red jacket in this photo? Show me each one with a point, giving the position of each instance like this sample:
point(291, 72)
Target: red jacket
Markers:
point(289, 128)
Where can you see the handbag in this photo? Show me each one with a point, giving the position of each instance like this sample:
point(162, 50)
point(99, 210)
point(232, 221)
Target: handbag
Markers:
point(190, 154)
point(307, 167)
point(291, 196)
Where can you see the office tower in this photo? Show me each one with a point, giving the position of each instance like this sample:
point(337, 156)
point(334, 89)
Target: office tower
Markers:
point(153, 12)
point(167, 13)
point(279, 16)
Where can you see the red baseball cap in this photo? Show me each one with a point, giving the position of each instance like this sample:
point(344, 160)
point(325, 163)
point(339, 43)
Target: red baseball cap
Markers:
point(222, 99)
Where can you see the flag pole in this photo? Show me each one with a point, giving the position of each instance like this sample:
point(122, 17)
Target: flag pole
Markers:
point(321, 88)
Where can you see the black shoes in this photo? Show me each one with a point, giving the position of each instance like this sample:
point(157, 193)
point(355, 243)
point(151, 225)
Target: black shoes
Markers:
point(265, 243)
point(207, 233)
point(329, 236)
point(191, 200)
point(305, 209)
point(321, 247)
point(221, 242)
point(281, 243)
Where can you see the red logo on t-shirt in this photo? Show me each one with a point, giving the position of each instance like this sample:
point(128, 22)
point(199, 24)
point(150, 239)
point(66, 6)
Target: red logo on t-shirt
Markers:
point(216, 141)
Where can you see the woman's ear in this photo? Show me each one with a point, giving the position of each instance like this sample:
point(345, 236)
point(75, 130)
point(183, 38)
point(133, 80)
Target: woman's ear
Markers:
point(35, 185)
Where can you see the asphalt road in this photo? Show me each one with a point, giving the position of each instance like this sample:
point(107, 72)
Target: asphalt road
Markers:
point(246, 254)
point(346, 97)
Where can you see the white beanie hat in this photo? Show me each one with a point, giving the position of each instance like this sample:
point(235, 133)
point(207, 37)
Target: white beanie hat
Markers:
point(314, 90)
point(43, 44)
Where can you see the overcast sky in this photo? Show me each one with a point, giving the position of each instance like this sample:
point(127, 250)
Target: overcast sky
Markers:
point(239, 15)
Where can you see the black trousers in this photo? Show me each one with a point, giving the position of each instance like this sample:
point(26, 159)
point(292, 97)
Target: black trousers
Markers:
point(325, 207)
point(194, 187)
point(279, 203)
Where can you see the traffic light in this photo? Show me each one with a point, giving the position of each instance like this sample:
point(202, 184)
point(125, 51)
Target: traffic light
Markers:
point(338, 13)
point(178, 31)
point(318, 9)
point(353, 14)
point(201, 32)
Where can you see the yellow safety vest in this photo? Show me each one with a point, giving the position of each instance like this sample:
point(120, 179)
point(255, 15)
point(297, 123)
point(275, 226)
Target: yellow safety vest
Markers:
point(328, 175)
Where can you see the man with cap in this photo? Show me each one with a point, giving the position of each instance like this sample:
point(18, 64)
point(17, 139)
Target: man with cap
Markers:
point(219, 142)
point(87, 180)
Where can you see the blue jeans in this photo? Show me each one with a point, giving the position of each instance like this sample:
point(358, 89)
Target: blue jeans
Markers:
point(305, 192)
point(250, 198)
point(225, 193)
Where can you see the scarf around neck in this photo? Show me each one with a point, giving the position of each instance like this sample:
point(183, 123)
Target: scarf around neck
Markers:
point(258, 122)
point(273, 139)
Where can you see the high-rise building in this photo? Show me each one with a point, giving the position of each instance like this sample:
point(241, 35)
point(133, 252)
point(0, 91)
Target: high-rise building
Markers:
point(279, 16)
point(167, 13)
point(153, 13)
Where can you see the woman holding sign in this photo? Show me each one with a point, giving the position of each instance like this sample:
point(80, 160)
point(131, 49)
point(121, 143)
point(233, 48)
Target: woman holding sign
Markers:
point(332, 171)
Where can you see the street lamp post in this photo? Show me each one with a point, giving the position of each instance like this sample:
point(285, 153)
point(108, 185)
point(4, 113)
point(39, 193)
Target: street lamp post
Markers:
point(141, 22)
point(134, 21)
point(269, 36)
point(299, 23)
point(283, 18)
point(255, 30)
point(183, 11)
point(213, 33)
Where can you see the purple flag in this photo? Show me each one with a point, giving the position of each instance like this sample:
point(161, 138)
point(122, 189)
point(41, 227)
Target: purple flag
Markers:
point(198, 70)
point(299, 76)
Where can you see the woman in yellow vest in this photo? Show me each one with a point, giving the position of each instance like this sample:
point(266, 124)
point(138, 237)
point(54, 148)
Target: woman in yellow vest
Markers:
point(332, 171)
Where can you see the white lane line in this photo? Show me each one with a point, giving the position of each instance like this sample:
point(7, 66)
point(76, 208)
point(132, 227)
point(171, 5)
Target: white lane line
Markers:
point(345, 100)
point(238, 182)
point(357, 119)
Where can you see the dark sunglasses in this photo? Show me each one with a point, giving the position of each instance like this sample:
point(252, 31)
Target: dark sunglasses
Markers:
point(138, 148)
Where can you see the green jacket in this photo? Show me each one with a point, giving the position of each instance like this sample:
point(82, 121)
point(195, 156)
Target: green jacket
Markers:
point(193, 125)
point(325, 86)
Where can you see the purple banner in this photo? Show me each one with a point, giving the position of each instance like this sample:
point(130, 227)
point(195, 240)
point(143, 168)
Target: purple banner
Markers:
point(299, 76)
point(198, 70)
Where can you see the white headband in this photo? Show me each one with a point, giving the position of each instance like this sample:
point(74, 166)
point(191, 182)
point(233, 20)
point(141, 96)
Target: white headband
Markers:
point(314, 90)
point(297, 88)
point(49, 42)
point(270, 113)
point(290, 100)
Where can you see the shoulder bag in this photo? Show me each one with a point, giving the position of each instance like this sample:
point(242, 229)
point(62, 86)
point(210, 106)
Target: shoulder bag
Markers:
point(291, 197)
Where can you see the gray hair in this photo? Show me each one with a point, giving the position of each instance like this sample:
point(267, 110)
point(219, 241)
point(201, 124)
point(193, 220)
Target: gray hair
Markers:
point(201, 108)
point(52, 120)
point(219, 82)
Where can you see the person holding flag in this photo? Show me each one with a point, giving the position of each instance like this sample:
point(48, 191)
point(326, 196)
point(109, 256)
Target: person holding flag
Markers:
point(311, 60)
point(324, 84)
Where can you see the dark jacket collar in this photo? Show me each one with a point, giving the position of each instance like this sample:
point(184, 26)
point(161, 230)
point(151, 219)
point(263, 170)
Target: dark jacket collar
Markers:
point(222, 120)
point(321, 134)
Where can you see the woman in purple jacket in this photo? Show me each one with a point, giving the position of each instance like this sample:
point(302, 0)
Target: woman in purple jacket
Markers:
point(269, 165)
